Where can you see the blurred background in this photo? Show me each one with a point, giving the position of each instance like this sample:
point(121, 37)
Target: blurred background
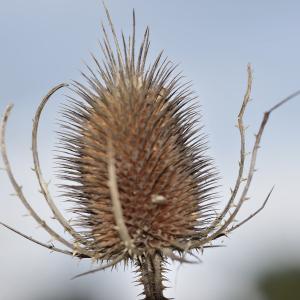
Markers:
point(43, 43)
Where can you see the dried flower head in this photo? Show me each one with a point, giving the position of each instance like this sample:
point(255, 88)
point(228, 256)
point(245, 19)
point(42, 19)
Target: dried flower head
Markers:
point(141, 185)
point(133, 138)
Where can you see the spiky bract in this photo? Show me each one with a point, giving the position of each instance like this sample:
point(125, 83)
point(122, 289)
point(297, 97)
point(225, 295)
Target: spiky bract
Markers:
point(164, 177)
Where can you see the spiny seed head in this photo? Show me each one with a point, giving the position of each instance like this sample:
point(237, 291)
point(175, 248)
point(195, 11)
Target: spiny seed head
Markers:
point(146, 116)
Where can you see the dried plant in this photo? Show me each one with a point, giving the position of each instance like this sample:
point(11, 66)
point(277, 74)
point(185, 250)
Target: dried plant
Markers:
point(135, 167)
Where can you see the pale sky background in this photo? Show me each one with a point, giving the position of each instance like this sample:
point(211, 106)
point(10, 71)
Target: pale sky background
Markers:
point(43, 43)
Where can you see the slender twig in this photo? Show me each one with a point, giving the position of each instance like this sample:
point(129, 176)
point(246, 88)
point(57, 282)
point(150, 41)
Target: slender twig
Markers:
point(253, 214)
point(50, 247)
point(287, 99)
point(116, 204)
point(18, 188)
point(42, 183)
point(111, 264)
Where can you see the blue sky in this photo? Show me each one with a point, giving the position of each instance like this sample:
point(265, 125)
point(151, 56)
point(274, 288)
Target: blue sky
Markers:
point(43, 43)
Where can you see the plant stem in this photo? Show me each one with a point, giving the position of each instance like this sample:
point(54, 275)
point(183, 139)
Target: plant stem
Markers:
point(150, 268)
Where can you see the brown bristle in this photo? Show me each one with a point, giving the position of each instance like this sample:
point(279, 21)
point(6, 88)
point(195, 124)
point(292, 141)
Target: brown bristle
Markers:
point(164, 178)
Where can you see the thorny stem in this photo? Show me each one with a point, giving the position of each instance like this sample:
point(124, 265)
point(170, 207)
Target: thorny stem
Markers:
point(150, 269)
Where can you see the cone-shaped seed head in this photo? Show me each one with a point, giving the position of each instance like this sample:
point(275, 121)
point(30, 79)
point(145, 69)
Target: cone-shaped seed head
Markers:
point(145, 115)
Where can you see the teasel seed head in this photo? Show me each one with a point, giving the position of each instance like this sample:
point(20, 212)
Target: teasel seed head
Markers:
point(142, 120)
point(140, 182)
